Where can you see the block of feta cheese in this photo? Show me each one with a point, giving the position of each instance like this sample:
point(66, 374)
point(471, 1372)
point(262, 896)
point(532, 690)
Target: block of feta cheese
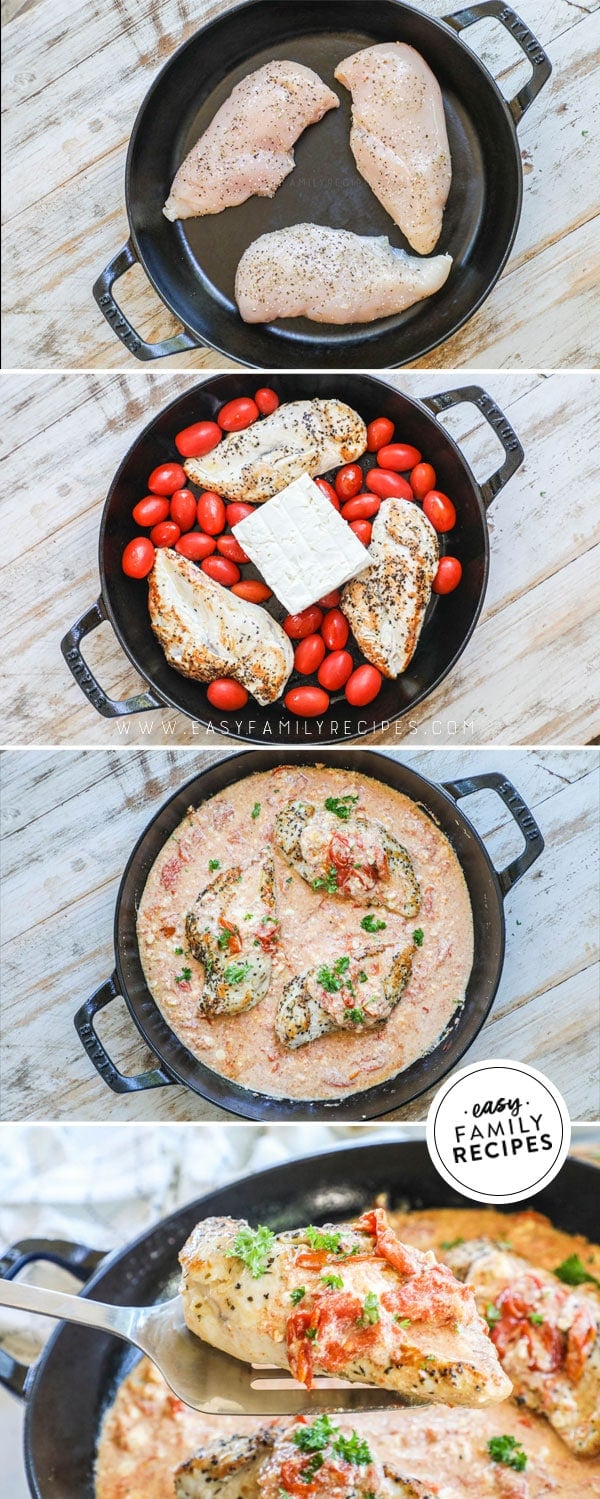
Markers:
point(300, 545)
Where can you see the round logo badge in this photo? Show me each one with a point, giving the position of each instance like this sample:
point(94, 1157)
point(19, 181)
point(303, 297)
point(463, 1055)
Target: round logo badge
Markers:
point(498, 1131)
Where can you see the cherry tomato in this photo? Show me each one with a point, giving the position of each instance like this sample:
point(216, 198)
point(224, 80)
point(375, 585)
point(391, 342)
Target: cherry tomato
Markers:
point(183, 509)
point(253, 590)
point(448, 575)
point(211, 513)
point(229, 547)
point(307, 702)
point(298, 626)
point(195, 441)
point(196, 546)
point(335, 670)
point(362, 529)
point(227, 694)
point(361, 507)
point(330, 600)
point(237, 512)
point(236, 415)
point(266, 399)
point(363, 685)
point(138, 558)
point(398, 456)
point(335, 630)
point(309, 654)
point(151, 510)
point(328, 490)
point(348, 481)
point(422, 479)
point(439, 510)
point(165, 534)
point(378, 433)
point(167, 478)
point(221, 570)
point(388, 485)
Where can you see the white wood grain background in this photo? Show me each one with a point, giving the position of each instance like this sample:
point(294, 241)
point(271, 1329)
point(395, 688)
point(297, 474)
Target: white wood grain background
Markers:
point(527, 676)
point(70, 821)
point(74, 77)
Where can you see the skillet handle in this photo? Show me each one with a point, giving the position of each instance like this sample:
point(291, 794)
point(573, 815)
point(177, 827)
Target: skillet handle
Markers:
point(156, 1077)
point(85, 679)
point(499, 424)
point(179, 343)
point(534, 52)
point(534, 843)
point(78, 1258)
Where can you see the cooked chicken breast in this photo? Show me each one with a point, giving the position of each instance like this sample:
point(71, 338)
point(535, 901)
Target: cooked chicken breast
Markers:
point(300, 437)
point(547, 1336)
point(247, 148)
point(259, 1467)
point(232, 930)
point(351, 1302)
point(207, 632)
point(357, 859)
point(331, 276)
point(354, 994)
point(399, 138)
point(385, 606)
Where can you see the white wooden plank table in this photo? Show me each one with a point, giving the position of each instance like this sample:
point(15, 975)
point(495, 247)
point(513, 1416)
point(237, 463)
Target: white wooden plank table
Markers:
point(74, 79)
point(70, 821)
point(528, 673)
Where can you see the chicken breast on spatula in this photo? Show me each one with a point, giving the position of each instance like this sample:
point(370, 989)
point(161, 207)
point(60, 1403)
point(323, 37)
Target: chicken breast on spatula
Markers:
point(386, 605)
point(399, 138)
point(247, 148)
point(207, 632)
point(350, 1302)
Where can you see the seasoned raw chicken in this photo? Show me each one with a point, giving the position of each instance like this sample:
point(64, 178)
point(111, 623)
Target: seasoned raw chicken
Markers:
point(232, 929)
point(353, 994)
point(351, 1302)
point(259, 1466)
point(207, 632)
point(247, 148)
point(300, 437)
point(356, 858)
point(331, 276)
point(385, 606)
point(547, 1336)
point(399, 138)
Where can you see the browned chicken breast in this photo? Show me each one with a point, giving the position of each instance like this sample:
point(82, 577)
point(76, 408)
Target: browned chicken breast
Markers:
point(385, 606)
point(300, 437)
point(353, 994)
point(232, 930)
point(351, 1302)
point(547, 1335)
point(357, 859)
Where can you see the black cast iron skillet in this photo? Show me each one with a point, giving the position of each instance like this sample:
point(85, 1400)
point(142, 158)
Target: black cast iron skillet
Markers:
point(192, 264)
point(451, 619)
point(76, 1378)
point(487, 890)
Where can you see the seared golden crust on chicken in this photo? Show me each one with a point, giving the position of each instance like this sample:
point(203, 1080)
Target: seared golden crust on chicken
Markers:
point(351, 1302)
point(359, 860)
point(385, 606)
point(226, 1469)
point(232, 930)
point(300, 437)
point(353, 994)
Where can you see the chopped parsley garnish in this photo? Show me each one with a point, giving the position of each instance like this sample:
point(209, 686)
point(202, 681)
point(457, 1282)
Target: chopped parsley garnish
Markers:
point(236, 972)
point(356, 1016)
point(492, 1315)
point(508, 1451)
point(451, 1243)
point(319, 1240)
point(354, 1449)
point(333, 979)
point(311, 1333)
point(418, 937)
point(184, 976)
point(178, 951)
point(224, 938)
point(297, 1295)
point(248, 916)
point(402, 1321)
point(323, 1433)
point(370, 1311)
point(342, 806)
point(314, 1438)
point(371, 923)
point(334, 1282)
point(253, 1246)
point(255, 811)
point(572, 1272)
point(214, 864)
point(362, 977)
point(536, 1318)
point(328, 882)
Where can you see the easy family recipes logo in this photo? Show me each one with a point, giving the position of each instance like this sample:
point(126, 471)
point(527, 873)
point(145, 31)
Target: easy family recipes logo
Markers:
point(500, 1126)
point(498, 1131)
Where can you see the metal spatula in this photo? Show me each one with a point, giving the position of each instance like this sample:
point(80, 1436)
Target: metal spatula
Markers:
point(199, 1375)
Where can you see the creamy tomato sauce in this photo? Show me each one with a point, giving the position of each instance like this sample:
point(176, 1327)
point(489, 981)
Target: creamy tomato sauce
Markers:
point(316, 928)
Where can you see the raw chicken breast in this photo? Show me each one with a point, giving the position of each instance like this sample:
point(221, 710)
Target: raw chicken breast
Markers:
point(399, 138)
point(247, 148)
point(232, 929)
point(398, 1320)
point(385, 606)
point(357, 859)
point(353, 994)
point(300, 437)
point(331, 276)
point(206, 631)
point(254, 1467)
